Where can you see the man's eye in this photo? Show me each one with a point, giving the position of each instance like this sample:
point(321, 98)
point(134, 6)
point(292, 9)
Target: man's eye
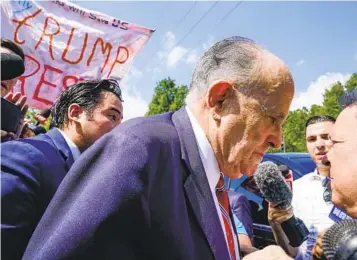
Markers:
point(273, 119)
point(112, 117)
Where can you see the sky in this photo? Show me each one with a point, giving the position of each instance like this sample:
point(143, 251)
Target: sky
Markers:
point(317, 40)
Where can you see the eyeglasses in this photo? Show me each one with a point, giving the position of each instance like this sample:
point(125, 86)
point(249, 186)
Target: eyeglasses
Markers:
point(327, 190)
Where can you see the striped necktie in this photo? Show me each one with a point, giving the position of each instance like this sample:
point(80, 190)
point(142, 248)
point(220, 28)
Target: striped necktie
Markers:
point(222, 196)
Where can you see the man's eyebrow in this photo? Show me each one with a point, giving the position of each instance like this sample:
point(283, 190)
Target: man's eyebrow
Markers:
point(116, 110)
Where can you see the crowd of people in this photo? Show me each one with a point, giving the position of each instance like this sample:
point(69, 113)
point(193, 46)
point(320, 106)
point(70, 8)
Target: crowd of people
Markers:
point(154, 187)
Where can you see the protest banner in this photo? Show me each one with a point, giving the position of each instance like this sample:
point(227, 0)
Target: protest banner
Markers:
point(65, 44)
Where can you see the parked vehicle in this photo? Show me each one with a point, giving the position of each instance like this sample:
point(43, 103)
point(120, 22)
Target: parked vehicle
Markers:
point(299, 163)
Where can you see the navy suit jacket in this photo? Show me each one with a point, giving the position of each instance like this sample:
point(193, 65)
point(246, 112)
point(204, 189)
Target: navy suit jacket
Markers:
point(140, 192)
point(31, 171)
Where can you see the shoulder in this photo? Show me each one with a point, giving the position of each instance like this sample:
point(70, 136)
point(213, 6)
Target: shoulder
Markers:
point(150, 130)
point(24, 160)
point(29, 148)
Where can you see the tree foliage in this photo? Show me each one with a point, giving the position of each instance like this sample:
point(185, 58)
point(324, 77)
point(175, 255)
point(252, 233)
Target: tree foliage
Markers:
point(294, 127)
point(167, 97)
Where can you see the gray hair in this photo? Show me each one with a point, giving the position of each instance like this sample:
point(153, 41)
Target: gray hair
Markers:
point(349, 99)
point(235, 58)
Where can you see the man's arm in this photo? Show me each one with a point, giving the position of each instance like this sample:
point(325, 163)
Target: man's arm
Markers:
point(21, 166)
point(276, 217)
point(102, 189)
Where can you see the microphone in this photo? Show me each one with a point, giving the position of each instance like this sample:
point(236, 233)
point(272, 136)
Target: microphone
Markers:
point(288, 175)
point(272, 185)
point(12, 66)
point(340, 241)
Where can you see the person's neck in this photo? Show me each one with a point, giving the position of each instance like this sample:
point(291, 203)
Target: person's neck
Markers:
point(74, 137)
point(323, 171)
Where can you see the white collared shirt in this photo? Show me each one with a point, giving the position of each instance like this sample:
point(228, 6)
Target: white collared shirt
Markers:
point(74, 149)
point(211, 168)
point(309, 205)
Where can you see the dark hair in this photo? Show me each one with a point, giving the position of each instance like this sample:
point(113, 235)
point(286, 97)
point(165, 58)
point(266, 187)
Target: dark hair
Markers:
point(45, 112)
point(319, 119)
point(86, 94)
point(349, 98)
point(8, 44)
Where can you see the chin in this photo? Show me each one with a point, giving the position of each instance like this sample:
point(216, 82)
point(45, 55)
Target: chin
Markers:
point(335, 199)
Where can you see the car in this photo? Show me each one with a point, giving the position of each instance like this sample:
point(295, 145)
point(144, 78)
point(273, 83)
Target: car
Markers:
point(299, 163)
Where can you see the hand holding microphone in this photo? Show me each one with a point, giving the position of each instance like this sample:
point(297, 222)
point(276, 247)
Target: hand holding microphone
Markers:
point(277, 192)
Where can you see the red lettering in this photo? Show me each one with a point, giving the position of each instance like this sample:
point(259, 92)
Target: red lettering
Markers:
point(108, 47)
point(21, 23)
point(66, 49)
point(69, 77)
point(29, 64)
point(120, 54)
point(44, 81)
point(50, 35)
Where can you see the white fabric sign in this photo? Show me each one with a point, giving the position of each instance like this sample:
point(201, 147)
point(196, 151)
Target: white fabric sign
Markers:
point(65, 43)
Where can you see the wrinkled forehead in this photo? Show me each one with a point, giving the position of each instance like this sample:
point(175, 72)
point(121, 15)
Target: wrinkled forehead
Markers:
point(320, 128)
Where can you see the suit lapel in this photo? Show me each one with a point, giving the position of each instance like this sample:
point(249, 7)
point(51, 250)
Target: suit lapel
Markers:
point(61, 144)
point(197, 187)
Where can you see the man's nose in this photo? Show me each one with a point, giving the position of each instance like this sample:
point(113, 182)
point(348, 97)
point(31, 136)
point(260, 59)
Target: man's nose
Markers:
point(320, 143)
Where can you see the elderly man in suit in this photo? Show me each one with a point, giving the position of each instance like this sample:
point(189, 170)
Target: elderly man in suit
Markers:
point(32, 169)
point(153, 187)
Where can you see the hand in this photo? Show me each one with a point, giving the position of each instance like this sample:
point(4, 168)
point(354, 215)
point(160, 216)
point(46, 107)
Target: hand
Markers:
point(317, 251)
point(268, 253)
point(6, 135)
point(279, 215)
point(20, 101)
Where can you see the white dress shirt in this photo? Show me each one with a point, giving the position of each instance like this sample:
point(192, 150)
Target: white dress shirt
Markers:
point(309, 205)
point(74, 149)
point(211, 168)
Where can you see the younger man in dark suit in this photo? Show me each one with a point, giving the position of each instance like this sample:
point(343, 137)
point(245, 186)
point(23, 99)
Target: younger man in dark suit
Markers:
point(32, 169)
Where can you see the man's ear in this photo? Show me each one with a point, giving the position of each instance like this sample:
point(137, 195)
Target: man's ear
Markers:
point(218, 93)
point(74, 112)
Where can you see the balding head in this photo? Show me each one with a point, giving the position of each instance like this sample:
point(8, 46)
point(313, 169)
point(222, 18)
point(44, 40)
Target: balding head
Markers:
point(239, 61)
point(240, 95)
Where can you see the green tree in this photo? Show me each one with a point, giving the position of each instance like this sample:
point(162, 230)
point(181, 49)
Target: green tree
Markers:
point(330, 103)
point(351, 84)
point(294, 130)
point(294, 127)
point(167, 97)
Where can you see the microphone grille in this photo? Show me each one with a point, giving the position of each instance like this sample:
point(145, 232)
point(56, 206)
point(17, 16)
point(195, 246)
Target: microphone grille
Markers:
point(335, 236)
point(271, 183)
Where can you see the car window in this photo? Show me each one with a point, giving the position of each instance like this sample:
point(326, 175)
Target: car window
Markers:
point(306, 163)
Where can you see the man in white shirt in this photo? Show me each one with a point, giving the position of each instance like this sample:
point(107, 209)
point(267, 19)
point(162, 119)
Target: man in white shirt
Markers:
point(32, 169)
point(311, 197)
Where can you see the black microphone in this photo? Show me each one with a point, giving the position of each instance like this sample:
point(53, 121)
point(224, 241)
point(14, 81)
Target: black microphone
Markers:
point(340, 241)
point(12, 66)
point(272, 185)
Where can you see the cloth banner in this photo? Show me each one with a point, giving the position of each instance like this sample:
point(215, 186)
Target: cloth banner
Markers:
point(65, 44)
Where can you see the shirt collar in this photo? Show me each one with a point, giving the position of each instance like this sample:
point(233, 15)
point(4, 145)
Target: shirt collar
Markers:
point(208, 158)
point(315, 176)
point(74, 149)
